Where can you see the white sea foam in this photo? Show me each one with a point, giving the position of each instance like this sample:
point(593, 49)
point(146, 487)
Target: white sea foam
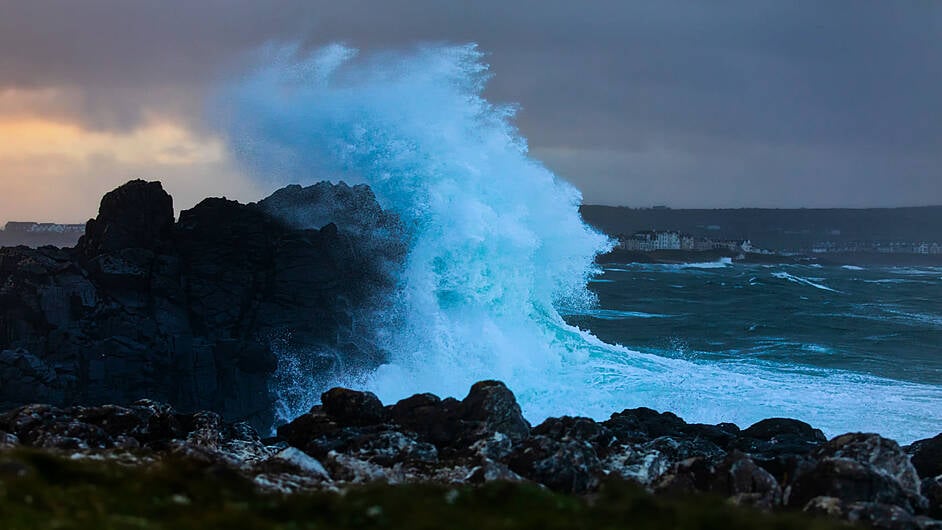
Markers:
point(782, 275)
point(912, 271)
point(852, 267)
point(718, 264)
point(497, 246)
point(677, 267)
point(611, 314)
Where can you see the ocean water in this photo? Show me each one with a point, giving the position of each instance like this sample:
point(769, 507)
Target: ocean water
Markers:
point(500, 280)
point(881, 321)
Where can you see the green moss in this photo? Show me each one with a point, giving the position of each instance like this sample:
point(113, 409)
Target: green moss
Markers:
point(38, 490)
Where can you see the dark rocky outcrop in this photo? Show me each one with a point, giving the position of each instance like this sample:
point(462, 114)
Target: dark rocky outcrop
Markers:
point(927, 456)
point(193, 312)
point(735, 476)
point(353, 439)
point(932, 489)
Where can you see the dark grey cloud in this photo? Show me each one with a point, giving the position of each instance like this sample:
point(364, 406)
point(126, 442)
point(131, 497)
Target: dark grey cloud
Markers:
point(684, 102)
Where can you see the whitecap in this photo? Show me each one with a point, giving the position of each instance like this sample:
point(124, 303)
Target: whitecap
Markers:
point(803, 281)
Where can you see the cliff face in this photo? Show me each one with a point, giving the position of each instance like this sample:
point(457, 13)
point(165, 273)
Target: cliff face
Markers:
point(187, 312)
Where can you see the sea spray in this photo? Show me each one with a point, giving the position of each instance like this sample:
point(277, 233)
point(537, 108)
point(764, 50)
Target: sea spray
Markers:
point(497, 248)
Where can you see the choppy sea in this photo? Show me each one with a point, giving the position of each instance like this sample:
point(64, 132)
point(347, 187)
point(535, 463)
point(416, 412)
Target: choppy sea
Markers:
point(881, 321)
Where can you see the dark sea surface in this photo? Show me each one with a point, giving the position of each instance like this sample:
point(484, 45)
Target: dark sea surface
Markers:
point(880, 321)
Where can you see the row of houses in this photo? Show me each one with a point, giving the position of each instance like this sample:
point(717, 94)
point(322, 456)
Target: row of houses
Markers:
point(18, 227)
point(40, 234)
point(651, 240)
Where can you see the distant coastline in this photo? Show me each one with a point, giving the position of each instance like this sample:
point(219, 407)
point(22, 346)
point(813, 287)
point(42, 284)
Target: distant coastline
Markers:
point(831, 259)
point(875, 236)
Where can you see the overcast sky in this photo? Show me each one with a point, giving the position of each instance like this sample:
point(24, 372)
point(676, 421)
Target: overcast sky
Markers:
point(680, 102)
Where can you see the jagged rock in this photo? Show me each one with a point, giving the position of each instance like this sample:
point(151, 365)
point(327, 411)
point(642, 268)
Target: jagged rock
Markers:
point(374, 444)
point(497, 447)
point(193, 313)
point(294, 461)
point(646, 463)
point(434, 419)
point(355, 214)
point(736, 476)
point(391, 447)
point(145, 425)
point(637, 465)
point(876, 515)
point(210, 438)
point(829, 506)
point(357, 471)
point(773, 428)
point(8, 440)
point(494, 405)
point(350, 407)
point(675, 449)
point(130, 427)
point(490, 471)
point(881, 453)
point(160, 422)
point(352, 208)
point(305, 428)
point(723, 435)
point(926, 456)
point(644, 424)
point(138, 214)
point(850, 481)
point(569, 428)
point(772, 438)
point(50, 427)
point(570, 466)
point(780, 445)
point(931, 488)
point(886, 516)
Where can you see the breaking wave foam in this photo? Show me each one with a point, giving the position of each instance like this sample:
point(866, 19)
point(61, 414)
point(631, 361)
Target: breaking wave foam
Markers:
point(497, 249)
point(803, 281)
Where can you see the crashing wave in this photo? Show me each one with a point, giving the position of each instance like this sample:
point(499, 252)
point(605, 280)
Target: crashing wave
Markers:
point(496, 247)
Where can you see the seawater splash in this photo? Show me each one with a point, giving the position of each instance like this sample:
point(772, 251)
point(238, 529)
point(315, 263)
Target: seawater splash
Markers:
point(497, 248)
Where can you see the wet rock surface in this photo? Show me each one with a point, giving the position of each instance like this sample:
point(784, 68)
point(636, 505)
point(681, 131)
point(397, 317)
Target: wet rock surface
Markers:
point(352, 438)
point(193, 312)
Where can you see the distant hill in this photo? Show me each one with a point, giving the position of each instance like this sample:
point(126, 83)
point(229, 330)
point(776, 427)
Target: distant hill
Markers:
point(777, 229)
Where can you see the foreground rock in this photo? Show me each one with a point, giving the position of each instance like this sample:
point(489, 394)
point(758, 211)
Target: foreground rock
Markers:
point(193, 312)
point(352, 438)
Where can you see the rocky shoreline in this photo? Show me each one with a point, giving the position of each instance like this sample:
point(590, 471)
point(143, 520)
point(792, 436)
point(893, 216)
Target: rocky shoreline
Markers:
point(202, 315)
point(777, 465)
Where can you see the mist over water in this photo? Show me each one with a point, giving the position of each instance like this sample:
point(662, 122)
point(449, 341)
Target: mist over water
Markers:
point(497, 249)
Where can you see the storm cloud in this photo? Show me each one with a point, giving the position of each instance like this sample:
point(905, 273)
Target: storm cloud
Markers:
point(678, 102)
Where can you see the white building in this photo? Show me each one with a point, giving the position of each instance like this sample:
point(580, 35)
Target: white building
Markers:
point(650, 240)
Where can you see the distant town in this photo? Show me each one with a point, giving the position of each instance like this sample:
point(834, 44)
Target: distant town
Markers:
point(32, 234)
point(653, 240)
point(889, 236)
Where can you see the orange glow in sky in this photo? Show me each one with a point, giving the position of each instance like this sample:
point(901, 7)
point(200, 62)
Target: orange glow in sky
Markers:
point(57, 171)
